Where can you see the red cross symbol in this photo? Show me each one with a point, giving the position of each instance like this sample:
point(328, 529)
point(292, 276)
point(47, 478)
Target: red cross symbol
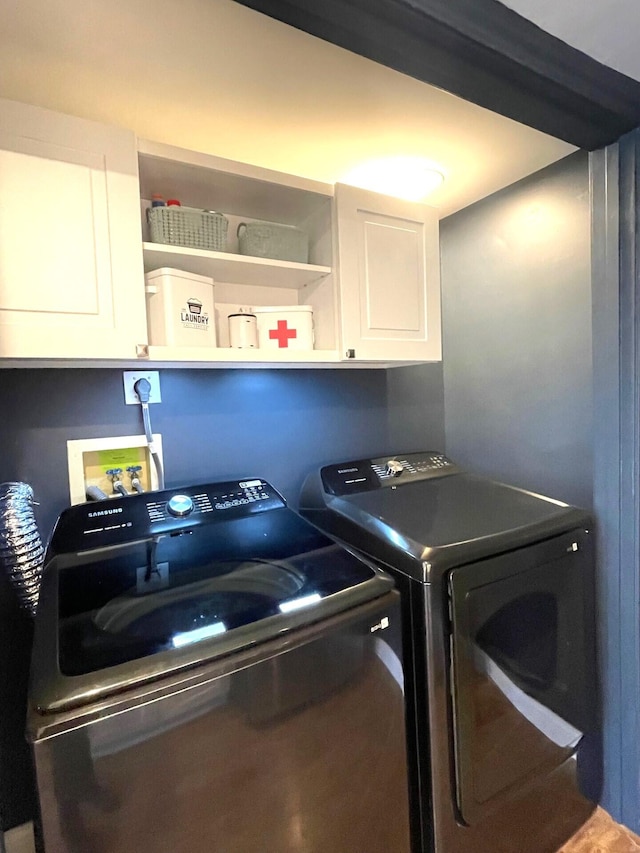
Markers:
point(282, 334)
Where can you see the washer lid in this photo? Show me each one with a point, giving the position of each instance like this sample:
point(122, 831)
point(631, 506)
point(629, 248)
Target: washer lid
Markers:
point(120, 615)
point(166, 594)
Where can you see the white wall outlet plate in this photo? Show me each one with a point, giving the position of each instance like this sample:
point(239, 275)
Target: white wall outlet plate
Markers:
point(130, 377)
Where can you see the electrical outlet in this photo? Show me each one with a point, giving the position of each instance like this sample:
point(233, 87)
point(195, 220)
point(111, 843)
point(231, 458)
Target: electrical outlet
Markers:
point(130, 377)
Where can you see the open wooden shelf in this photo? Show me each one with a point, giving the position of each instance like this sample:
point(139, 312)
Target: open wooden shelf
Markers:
point(233, 269)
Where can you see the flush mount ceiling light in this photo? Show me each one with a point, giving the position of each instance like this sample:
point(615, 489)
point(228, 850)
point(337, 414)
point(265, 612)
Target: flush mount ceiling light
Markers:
point(410, 178)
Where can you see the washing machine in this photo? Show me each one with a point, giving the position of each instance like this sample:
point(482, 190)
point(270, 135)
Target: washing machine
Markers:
point(497, 588)
point(211, 673)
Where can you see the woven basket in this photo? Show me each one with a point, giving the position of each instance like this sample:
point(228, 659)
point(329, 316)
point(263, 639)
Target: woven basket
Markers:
point(270, 240)
point(186, 226)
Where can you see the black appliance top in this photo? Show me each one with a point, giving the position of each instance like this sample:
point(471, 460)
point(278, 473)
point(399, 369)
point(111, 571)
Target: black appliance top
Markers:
point(421, 513)
point(137, 587)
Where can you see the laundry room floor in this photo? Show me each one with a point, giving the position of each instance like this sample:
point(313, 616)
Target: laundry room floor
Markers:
point(601, 834)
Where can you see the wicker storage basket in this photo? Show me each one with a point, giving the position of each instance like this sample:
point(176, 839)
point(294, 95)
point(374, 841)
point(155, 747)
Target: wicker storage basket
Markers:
point(186, 226)
point(270, 240)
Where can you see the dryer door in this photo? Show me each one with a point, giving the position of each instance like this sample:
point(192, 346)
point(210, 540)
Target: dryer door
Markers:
point(522, 667)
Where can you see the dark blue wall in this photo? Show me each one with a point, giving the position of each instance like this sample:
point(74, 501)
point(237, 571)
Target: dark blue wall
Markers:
point(277, 424)
point(615, 175)
point(516, 284)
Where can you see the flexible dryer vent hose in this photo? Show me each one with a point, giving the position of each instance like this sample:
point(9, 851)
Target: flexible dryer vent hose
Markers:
point(21, 549)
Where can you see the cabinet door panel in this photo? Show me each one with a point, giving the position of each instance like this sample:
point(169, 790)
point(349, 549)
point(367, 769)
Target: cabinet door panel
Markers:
point(71, 280)
point(392, 287)
point(389, 277)
point(58, 280)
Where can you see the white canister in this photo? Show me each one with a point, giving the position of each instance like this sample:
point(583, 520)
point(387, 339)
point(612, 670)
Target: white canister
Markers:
point(243, 331)
point(180, 308)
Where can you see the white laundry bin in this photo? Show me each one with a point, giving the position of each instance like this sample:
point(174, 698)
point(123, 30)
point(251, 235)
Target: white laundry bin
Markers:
point(180, 308)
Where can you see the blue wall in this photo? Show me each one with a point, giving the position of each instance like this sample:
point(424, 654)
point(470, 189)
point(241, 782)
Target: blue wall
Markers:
point(516, 284)
point(277, 424)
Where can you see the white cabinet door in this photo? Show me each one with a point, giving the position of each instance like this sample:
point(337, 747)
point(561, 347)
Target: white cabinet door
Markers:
point(389, 275)
point(71, 275)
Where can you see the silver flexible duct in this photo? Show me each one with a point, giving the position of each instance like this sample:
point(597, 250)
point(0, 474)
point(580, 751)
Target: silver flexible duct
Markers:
point(21, 549)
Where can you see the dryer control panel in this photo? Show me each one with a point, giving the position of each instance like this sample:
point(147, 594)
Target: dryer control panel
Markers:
point(364, 475)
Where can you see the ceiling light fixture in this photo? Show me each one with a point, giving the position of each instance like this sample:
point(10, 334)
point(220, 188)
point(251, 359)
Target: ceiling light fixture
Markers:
point(409, 178)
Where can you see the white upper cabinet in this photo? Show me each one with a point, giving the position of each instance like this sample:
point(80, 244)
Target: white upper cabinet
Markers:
point(75, 244)
point(71, 276)
point(388, 253)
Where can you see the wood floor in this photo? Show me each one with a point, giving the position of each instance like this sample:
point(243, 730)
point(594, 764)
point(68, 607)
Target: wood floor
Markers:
point(602, 835)
point(599, 835)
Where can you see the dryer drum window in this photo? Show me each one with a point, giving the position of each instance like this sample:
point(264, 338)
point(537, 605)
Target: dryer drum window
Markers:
point(519, 691)
point(522, 639)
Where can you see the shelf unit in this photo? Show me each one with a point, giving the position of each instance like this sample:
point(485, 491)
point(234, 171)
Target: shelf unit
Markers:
point(232, 268)
point(167, 358)
point(227, 357)
point(245, 193)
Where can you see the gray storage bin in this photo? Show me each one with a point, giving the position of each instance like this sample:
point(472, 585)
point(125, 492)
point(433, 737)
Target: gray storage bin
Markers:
point(271, 240)
point(186, 226)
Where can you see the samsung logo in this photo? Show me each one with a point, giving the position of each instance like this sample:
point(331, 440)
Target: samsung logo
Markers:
point(105, 512)
point(346, 470)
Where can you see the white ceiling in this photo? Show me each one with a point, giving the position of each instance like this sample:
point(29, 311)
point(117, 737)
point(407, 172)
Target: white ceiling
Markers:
point(607, 30)
point(215, 76)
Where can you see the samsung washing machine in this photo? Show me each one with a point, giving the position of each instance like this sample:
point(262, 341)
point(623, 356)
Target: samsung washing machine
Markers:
point(498, 613)
point(211, 673)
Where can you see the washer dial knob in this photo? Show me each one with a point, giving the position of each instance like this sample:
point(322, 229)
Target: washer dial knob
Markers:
point(394, 468)
point(180, 505)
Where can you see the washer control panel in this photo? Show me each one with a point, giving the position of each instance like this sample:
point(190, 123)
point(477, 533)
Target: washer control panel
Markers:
point(240, 497)
point(113, 521)
point(365, 475)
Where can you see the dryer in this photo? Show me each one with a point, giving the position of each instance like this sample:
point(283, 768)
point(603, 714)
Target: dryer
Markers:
point(498, 612)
